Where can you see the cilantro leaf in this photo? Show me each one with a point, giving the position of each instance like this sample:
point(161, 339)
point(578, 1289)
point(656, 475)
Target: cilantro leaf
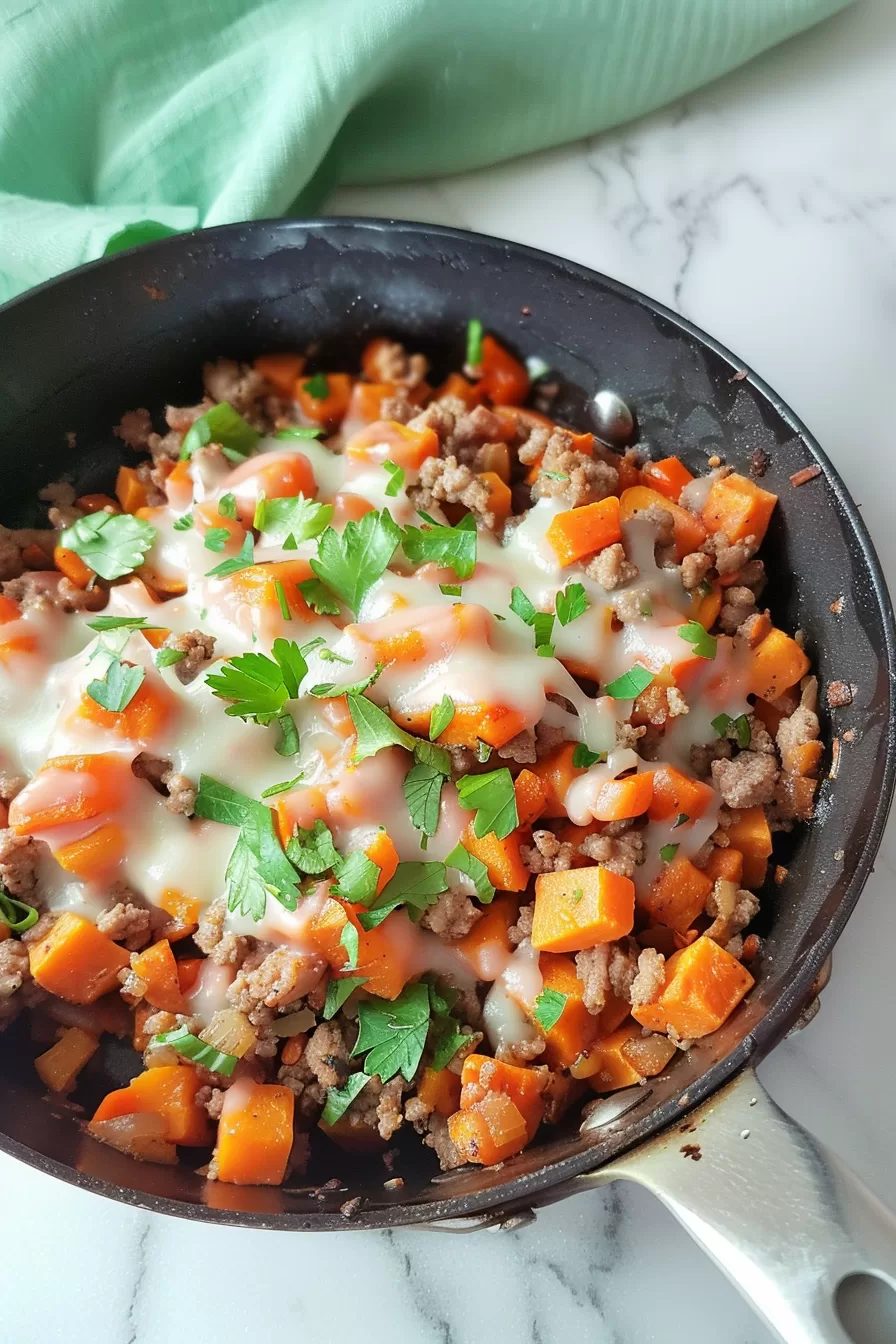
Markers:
point(112, 544)
point(357, 878)
point(104, 623)
point(318, 598)
point(521, 606)
point(284, 787)
point(318, 387)
point(474, 342)
point(291, 516)
point(340, 990)
point(313, 851)
point(743, 731)
point(721, 723)
point(414, 884)
point(374, 728)
point(118, 687)
point(430, 753)
point(631, 683)
point(349, 939)
point(216, 538)
point(299, 432)
point(453, 547)
point(340, 1098)
point(703, 643)
point(450, 589)
point(242, 560)
point(441, 716)
point(350, 564)
point(288, 740)
point(396, 478)
point(668, 852)
point(422, 789)
point(394, 1034)
point(549, 1008)
point(465, 862)
point(447, 1039)
point(583, 758)
point(167, 657)
point(571, 603)
point(494, 798)
point(220, 424)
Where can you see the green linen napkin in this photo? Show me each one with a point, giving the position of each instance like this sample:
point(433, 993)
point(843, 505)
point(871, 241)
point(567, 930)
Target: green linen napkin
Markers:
point(194, 112)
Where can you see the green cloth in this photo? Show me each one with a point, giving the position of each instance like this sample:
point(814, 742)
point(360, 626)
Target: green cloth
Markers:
point(193, 112)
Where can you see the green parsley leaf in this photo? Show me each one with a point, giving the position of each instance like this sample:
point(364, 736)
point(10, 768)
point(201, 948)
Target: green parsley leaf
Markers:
point(554, 475)
point(288, 739)
point(743, 731)
point(521, 606)
point(350, 941)
point(545, 650)
point(430, 753)
point(340, 1098)
point(183, 523)
point(220, 424)
point(247, 891)
point(313, 851)
point(350, 564)
point(330, 688)
point(396, 478)
point(258, 866)
point(583, 758)
point(453, 547)
point(668, 852)
point(703, 643)
point(446, 1040)
point(331, 656)
point(440, 717)
point(630, 683)
point(357, 878)
point(543, 624)
point(318, 598)
point(474, 342)
point(281, 599)
point(291, 516)
point(254, 683)
point(118, 687)
point(571, 603)
point(682, 818)
point(227, 505)
point(299, 432)
point(284, 787)
point(219, 802)
point(494, 798)
point(465, 862)
point(16, 915)
point(112, 544)
point(197, 1050)
point(721, 723)
point(375, 729)
point(340, 990)
point(549, 1008)
point(168, 657)
point(394, 1034)
point(318, 387)
point(422, 789)
point(104, 623)
point(450, 589)
point(216, 538)
point(233, 565)
point(415, 885)
point(279, 876)
point(483, 751)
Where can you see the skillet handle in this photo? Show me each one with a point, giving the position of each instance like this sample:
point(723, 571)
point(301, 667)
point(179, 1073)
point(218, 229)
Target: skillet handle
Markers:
point(780, 1215)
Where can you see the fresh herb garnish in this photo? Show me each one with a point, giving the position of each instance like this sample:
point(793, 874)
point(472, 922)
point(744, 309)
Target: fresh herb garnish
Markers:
point(242, 560)
point(112, 544)
point(258, 866)
point(118, 687)
point(414, 885)
point(668, 852)
point(16, 915)
point(299, 432)
point(350, 941)
point(216, 538)
point(494, 798)
point(474, 342)
point(703, 643)
point(450, 589)
point(281, 600)
point(483, 751)
point(287, 743)
point(340, 990)
point(284, 787)
point(259, 686)
point(631, 683)
point(357, 876)
point(543, 624)
point(220, 424)
point(350, 564)
point(317, 387)
point(313, 851)
point(521, 606)
point(465, 862)
point(327, 689)
point(291, 517)
point(104, 623)
point(440, 717)
point(422, 789)
point(198, 1051)
point(682, 818)
point(571, 603)
point(374, 729)
point(168, 657)
point(393, 1035)
point(446, 1040)
point(724, 724)
point(227, 505)
point(396, 478)
point(549, 1008)
point(183, 523)
point(583, 758)
point(452, 547)
point(340, 1098)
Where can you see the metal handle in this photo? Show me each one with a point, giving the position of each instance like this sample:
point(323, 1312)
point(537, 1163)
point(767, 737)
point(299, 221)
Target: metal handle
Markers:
point(809, 1246)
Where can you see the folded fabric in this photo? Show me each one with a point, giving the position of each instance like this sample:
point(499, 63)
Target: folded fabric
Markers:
point(193, 112)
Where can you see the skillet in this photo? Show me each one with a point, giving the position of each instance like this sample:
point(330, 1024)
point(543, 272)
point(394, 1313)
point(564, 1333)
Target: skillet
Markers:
point(134, 330)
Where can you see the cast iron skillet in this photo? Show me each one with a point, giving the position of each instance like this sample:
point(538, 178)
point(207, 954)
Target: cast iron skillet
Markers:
point(133, 331)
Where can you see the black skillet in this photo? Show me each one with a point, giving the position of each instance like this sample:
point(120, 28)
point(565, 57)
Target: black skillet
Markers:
point(133, 331)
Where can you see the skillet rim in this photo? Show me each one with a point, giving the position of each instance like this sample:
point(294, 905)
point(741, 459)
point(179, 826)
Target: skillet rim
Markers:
point(549, 1181)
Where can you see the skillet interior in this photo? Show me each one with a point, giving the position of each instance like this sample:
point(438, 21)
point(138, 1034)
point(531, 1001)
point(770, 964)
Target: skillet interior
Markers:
point(134, 331)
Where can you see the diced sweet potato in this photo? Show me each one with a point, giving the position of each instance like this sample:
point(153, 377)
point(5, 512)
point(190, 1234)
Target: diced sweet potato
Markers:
point(170, 1091)
point(255, 1134)
point(704, 984)
point(750, 834)
point(487, 946)
point(776, 665)
point(678, 895)
point(59, 1066)
point(581, 531)
point(576, 1028)
point(690, 532)
point(580, 908)
point(738, 507)
point(75, 961)
point(158, 969)
point(675, 793)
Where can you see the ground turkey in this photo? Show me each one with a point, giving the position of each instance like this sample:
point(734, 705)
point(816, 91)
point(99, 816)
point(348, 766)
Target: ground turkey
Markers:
point(19, 859)
point(547, 854)
point(14, 972)
point(198, 649)
point(452, 916)
point(445, 480)
point(610, 568)
point(747, 780)
point(571, 476)
point(620, 852)
point(126, 923)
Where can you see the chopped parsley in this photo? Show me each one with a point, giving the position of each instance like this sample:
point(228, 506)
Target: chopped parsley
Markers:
point(521, 606)
point(571, 603)
point(450, 589)
point(287, 735)
point(340, 1098)
point(242, 560)
point(396, 478)
point(318, 598)
point(227, 505)
point(682, 818)
point(668, 852)
point(724, 724)
point(318, 387)
point(258, 866)
point(583, 758)
point(299, 432)
point(349, 940)
point(168, 657)
point(357, 876)
point(474, 342)
point(283, 787)
point(452, 547)
point(104, 623)
point(112, 544)
point(327, 689)
point(216, 538)
point(631, 683)
point(549, 1008)
point(465, 862)
point(291, 518)
point(117, 688)
point(415, 885)
point(543, 624)
point(374, 729)
point(340, 990)
point(259, 686)
point(494, 798)
point(221, 424)
point(703, 643)
point(350, 563)
point(441, 717)
point(312, 851)
point(422, 789)
point(183, 523)
point(393, 1035)
point(281, 599)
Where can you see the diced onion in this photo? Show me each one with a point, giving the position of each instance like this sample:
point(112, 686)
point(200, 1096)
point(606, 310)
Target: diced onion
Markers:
point(140, 1136)
point(229, 1031)
point(648, 1054)
point(293, 1023)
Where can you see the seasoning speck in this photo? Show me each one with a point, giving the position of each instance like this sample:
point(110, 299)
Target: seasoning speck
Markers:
point(691, 1150)
point(395, 1184)
point(526, 311)
point(835, 759)
point(350, 1207)
point(807, 474)
point(780, 875)
point(745, 1133)
point(837, 606)
point(839, 693)
point(838, 854)
point(739, 376)
point(759, 460)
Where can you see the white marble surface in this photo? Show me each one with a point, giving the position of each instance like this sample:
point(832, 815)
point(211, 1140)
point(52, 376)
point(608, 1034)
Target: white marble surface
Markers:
point(763, 208)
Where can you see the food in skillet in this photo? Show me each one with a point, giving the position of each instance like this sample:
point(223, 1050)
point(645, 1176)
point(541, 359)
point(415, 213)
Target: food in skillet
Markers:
point(386, 755)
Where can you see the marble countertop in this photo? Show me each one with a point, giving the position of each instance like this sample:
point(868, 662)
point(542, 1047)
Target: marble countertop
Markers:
point(764, 209)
